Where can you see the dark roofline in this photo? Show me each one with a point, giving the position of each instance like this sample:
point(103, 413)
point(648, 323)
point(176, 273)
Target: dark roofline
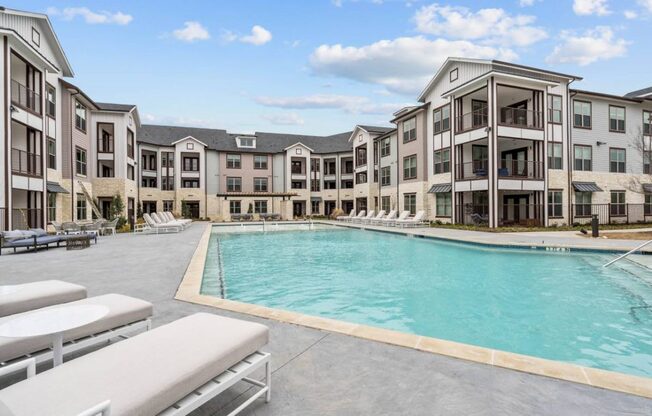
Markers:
point(123, 108)
point(609, 96)
point(638, 93)
point(386, 134)
point(83, 94)
point(410, 112)
point(531, 68)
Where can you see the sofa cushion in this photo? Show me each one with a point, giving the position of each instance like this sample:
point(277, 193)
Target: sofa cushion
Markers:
point(30, 296)
point(39, 232)
point(142, 375)
point(13, 235)
point(123, 310)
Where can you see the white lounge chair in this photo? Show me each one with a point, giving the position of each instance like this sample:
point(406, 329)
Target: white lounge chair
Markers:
point(415, 221)
point(161, 220)
point(360, 215)
point(379, 221)
point(170, 370)
point(126, 315)
point(390, 222)
point(151, 225)
point(380, 215)
point(346, 217)
point(170, 217)
point(28, 296)
point(360, 220)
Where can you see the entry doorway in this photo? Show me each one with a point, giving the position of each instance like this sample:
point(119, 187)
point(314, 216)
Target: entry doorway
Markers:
point(347, 206)
point(149, 207)
point(299, 208)
point(514, 162)
point(190, 209)
point(105, 207)
point(329, 207)
point(515, 208)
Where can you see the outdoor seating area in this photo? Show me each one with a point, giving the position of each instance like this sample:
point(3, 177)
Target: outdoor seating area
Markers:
point(388, 220)
point(35, 238)
point(98, 227)
point(162, 222)
point(250, 217)
point(194, 361)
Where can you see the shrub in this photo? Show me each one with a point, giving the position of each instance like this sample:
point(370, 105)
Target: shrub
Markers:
point(336, 213)
point(122, 221)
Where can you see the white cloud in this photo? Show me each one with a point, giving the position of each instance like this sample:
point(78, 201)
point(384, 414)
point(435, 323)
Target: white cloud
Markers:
point(589, 7)
point(402, 65)
point(526, 3)
point(191, 32)
point(630, 14)
point(492, 26)
point(91, 17)
point(349, 103)
point(259, 36)
point(647, 4)
point(591, 46)
point(284, 119)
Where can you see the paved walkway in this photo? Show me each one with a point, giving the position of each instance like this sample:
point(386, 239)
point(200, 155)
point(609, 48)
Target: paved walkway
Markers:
point(317, 372)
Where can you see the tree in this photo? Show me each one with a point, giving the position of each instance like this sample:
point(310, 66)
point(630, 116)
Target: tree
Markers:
point(117, 207)
point(642, 144)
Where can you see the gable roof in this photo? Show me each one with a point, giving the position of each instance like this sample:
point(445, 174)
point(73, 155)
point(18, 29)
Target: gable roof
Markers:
point(642, 93)
point(376, 129)
point(115, 107)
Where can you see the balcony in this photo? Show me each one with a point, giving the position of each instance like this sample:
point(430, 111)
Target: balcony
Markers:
point(25, 97)
point(24, 163)
point(472, 120)
point(105, 146)
point(521, 169)
point(521, 118)
point(477, 169)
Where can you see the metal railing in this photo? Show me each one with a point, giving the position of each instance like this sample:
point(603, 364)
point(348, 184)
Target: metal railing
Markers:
point(472, 214)
point(472, 120)
point(26, 218)
point(477, 169)
point(522, 215)
point(611, 213)
point(523, 169)
point(105, 145)
point(520, 117)
point(25, 97)
point(26, 163)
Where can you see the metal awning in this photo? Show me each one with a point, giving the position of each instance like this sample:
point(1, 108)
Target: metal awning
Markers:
point(315, 198)
point(647, 188)
point(440, 187)
point(55, 188)
point(586, 187)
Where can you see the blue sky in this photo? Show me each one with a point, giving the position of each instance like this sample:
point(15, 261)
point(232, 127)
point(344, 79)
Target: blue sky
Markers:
point(320, 67)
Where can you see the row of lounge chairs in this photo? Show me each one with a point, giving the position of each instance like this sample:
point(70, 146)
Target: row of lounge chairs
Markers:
point(101, 227)
point(36, 238)
point(389, 220)
point(173, 369)
point(250, 217)
point(165, 222)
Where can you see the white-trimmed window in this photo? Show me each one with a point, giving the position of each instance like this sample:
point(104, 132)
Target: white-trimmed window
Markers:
point(233, 184)
point(80, 116)
point(442, 160)
point(555, 155)
point(444, 204)
point(410, 167)
point(385, 176)
point(410, 203)
point(260, 162)
point(582, 114)
point(410, 130)
point(233, 161)
point(616, 119)
point(555, 203)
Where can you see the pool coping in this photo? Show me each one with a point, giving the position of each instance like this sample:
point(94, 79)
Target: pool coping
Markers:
point(189, 290)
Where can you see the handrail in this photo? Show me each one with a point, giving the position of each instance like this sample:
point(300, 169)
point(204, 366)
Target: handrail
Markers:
point(627, 254)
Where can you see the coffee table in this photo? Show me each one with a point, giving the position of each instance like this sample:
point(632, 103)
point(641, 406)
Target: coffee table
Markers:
point(53, 322)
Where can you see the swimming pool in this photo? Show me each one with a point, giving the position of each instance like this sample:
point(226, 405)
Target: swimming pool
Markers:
point(556, 305)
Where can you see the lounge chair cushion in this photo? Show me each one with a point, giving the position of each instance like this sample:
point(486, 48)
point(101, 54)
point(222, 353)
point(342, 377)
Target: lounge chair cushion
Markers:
point(15, 235)
point(123, 310)
point(39, 232)
point(142, 375)
point(30, 296)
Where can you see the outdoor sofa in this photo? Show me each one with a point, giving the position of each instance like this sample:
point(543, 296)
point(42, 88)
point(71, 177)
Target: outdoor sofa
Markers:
point(35, 238)
point(28, 296)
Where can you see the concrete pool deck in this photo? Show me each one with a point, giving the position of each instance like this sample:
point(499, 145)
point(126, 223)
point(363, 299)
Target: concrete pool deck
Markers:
point(318, 371)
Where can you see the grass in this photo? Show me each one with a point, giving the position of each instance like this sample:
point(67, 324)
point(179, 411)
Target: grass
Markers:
point(636, 235)
point(536, 229)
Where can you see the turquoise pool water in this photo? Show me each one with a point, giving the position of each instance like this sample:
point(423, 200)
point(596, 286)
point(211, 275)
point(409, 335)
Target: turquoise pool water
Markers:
point(560, 306)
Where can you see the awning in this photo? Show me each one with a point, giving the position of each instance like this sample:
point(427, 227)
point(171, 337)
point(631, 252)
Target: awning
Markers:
point(440, 187)
point(315, 198)
point(55, 188)
point(647, 188)
point(586, 187)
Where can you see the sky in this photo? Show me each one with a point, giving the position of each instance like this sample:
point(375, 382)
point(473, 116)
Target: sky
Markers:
point(323, 66)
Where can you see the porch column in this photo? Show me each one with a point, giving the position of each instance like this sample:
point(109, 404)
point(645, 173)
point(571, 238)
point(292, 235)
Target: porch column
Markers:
point(492, 143)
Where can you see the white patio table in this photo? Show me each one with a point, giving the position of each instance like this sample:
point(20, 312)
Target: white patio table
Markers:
point(53, 322)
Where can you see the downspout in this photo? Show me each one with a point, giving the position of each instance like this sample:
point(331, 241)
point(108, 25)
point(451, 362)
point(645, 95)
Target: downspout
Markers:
point(72, 175)
point(7, 171)
point(569, 145)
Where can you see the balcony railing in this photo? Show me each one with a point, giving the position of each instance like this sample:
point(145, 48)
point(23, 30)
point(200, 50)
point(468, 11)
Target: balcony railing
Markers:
point(521, 117)
point(522, 215)
point(472, 214)
point(477, 169)
point(25, 97)
point(472, 120)
point(521, 169)
point(26, 163)
point(611, 213)
point(105, 145)
point(297, 170)
point(26, 218)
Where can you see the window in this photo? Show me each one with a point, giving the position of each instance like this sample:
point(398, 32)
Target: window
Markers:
point(554, 109)
point(647, 161)
point(80, 116)
point(233, 161)
point(385, 147)
point(80, 161)
point(148, 182)
point(442, 161)
point(555, 204)
point(330, 184)
point(452, 76)
point(347, 184)
point(348, 165)
point(314, 185)
point(555, 160)
point(233, 184)
point(410, 203)
point(444, 204)
point(52, 153)
point(442, 119)
point(647, 206)
point(191, 163)
point(168, 206)
point(81, 207)
point(647, 123)
point(617, 206)
point(297, 185)
point(361, 156)
point(385, 176)
point(361, 177)
point(314, 207)
point(296, 167)
point(260, 161)
point(582, 114)
point(583, 157)
point(616, 160)
point(616, 119)
point(330, 167)
point(247, 142)
point(234, 207)
point(52, 207)
point(51, 101)
point(314, 165)
point(410, 130)
point(260, 184)
point(167, 183)
point(167, 159)
point(385, 203)
point(130, 172)
point(130, 143)
point(583, 204)
point(410, 167)
point(260, 207)
point(190, 183)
